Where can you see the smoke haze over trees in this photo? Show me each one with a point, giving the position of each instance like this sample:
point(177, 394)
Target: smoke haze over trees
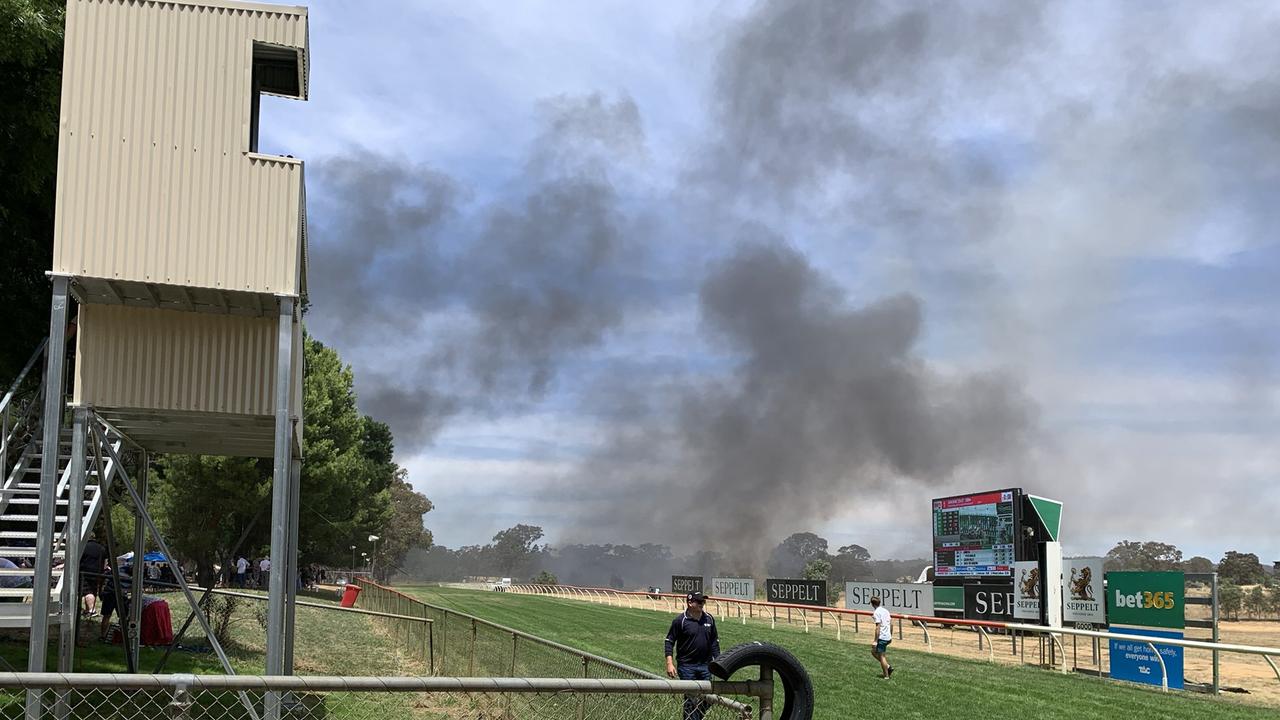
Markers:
point(513, 553)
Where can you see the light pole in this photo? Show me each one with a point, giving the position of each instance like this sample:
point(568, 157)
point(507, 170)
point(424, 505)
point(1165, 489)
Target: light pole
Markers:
point(353, 563)
point(373, 561)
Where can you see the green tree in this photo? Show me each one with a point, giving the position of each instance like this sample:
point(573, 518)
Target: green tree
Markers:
point(513, 546)
point(1148, 556)
point(30, 91)
point(820, 569)
point(1230, 598)
point(1256, 602)
point(852, 562)
point(1240, 568)
point(546, 578)
point(204, 503)
point(790, 556)
point(404, 530)
point(1198, 564)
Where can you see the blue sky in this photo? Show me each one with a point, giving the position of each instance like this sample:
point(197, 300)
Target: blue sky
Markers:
point(1079, 196)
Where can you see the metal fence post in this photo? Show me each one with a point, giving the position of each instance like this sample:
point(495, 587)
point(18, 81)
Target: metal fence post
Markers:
point(514, 639)
point(444, 642)
point(431, 648)
point(1213, 610)
point(180, 706)
point(582, 698)
point(471, 659)
point(766, 696)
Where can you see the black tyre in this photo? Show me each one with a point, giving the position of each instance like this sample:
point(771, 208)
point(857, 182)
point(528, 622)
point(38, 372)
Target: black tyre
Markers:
point(797, 688)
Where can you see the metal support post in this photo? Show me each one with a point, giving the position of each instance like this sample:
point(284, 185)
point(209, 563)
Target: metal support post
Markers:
point(766, 697)
point(134, 631)
point(113, 571)
point(177, 638)
point(431, 648)
point(40, 581)
point(295, 486)
point(71, 567)
point(471, 661)
point(1213, 610)
point(280, 494)
point(182, 580)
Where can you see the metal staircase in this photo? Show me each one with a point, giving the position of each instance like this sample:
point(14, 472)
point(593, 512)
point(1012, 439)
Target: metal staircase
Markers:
point(22, 462)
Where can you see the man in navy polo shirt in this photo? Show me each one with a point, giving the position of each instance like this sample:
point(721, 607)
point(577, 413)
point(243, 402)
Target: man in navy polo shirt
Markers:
point(695, 641)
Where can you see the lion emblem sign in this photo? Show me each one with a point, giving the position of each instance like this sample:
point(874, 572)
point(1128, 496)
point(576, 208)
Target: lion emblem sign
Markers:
point(1030, 583)
point(1082, 587)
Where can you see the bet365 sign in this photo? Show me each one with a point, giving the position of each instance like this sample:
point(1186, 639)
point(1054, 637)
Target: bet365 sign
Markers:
point(1148, 599)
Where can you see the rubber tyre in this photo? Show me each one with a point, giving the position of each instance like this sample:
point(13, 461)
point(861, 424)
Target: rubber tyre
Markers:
point(797, 688)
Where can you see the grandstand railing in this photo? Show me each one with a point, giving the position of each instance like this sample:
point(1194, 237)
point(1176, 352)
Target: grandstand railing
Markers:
point(730, 608)
point(463, 644)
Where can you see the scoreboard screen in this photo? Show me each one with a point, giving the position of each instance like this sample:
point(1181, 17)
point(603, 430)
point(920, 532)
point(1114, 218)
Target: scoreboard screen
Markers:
point(973, 535)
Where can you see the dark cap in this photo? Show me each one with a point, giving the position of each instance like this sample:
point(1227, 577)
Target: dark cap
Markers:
point(695, 596)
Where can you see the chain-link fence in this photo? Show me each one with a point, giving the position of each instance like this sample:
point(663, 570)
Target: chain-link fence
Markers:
point(40, 696)
point(459, 644)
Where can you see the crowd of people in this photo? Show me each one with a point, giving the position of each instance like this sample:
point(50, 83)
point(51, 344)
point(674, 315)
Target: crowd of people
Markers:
point(256, 574)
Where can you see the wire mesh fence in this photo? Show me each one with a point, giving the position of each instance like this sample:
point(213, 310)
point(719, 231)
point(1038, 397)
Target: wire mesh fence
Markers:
point(459, 644)
point(138, 697)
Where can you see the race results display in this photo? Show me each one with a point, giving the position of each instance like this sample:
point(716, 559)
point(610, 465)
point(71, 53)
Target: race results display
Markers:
point(973, 535)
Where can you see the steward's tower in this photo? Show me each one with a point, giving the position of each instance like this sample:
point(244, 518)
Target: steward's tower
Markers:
point(184, 249)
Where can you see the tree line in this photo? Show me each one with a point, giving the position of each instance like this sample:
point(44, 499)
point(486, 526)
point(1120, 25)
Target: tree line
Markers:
point(516, 553)
point(1234, 567)
point(1245, 586)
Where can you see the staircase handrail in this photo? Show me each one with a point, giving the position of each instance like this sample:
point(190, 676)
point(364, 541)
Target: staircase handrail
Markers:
point(13, 389)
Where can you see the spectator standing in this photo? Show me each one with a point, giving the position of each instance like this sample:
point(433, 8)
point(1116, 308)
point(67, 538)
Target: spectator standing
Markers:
point(111, 604)
point(264, 569)
point(93, 561)
point(884, 636)
point(242, 569)
point(694, 642)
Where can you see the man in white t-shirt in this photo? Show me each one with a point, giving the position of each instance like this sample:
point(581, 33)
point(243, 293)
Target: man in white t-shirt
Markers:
point(884, 636)
point(242, 568)
point(264, 567)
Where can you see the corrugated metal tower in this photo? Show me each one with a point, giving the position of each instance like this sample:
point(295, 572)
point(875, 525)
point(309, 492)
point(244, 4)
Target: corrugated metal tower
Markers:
point(185, 250)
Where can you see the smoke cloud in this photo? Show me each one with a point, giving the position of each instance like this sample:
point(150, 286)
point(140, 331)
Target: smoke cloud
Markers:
point(1031, 175)
point(826, 403)
point(445, 318)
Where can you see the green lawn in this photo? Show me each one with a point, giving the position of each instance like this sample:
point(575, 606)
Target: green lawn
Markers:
point(844, 675)
point(326, 643)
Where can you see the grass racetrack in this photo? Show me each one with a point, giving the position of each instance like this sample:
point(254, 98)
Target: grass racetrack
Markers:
point(845, 677)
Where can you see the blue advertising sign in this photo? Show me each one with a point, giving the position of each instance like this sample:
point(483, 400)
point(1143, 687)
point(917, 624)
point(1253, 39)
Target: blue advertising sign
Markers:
point(1132, 660)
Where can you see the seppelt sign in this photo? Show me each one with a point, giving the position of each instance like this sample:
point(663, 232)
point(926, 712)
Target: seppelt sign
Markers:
point(686, 583)
point(1026, 590)
point(796, 592)
point(734, 588)
point(897, 598)
point(1083, 600)
point(988, 601)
